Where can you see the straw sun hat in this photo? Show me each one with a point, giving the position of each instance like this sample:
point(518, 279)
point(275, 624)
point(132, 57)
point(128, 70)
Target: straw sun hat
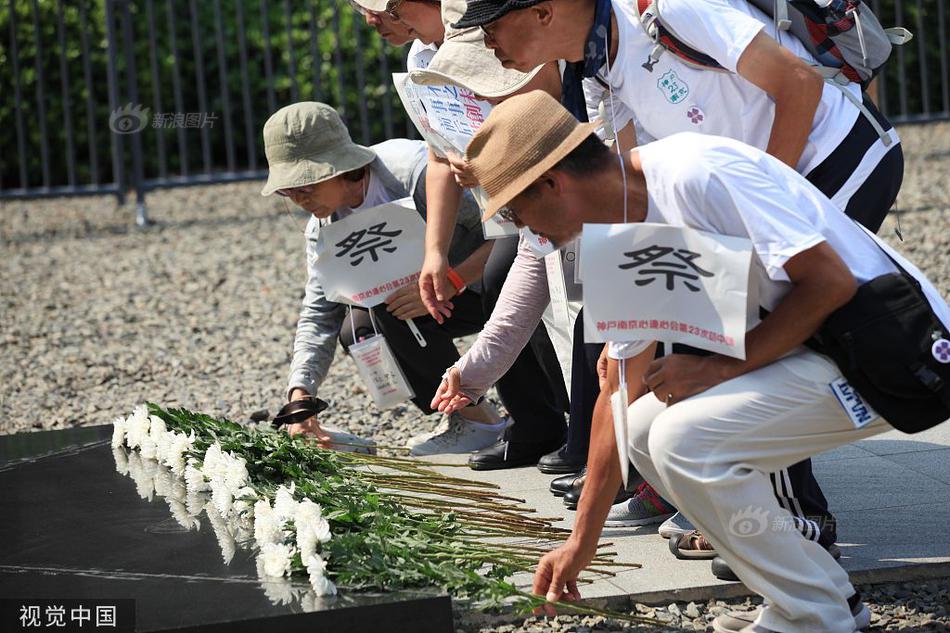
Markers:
point(522, 138)
point(306, 143)
point(463, 60)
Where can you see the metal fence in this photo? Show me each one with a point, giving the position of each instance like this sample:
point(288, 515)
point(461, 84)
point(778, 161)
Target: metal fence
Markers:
point(117, 96)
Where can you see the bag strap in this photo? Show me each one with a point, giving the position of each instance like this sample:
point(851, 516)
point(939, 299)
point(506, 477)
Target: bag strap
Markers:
point(648, 13)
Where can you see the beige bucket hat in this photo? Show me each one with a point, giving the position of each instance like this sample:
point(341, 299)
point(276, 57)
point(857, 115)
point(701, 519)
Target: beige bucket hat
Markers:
point(463, 60)
point(522, 138)
point(377, 6)
point(306, 143)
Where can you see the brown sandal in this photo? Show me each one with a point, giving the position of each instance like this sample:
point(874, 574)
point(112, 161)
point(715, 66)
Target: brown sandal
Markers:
point(692, 546)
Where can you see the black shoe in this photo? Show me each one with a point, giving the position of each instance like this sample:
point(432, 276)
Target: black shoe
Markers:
point(573, 496)
point(561, 462)
point(507, 454)
point(721, 570)
point(561, 485)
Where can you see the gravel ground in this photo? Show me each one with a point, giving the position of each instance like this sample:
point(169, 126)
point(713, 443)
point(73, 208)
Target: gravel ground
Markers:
point(199, 311)
point(920, 606)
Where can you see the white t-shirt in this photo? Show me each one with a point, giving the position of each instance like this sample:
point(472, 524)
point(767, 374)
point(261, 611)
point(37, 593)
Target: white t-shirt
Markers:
point(719, 185)
point(420, 55)
point(676, 97)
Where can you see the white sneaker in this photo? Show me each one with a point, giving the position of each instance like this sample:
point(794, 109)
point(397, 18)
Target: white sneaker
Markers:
point(460, 435)
point(676, 525)
point(442, 427)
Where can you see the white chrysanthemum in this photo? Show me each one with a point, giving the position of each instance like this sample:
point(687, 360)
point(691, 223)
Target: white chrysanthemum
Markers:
point(118, 432)
point(121, 461)
point(277, 590)
point(147, 447)
point(244, 499)
point(195, 503)
point(223, 534)
point(311, 527)
point(162, 481)
point(183, 516)
point(194, 478)
point(267, 527)
point(321, 530)
point(178, 445)
point(137, 426)
point(215, 464)
point(322, 586)
point(177, 491)
point(162, 445)
point(317, 568)
point(284, 505)
point(236, 475)
point(142, 478)
point(221, 496)
point(275, 559)
point(156, 427)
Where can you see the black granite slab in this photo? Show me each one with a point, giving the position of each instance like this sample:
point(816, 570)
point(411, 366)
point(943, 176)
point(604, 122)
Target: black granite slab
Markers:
point(73, 527)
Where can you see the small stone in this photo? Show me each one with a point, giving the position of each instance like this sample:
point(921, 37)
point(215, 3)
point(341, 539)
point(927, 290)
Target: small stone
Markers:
point(692, 610)
point(261, 415)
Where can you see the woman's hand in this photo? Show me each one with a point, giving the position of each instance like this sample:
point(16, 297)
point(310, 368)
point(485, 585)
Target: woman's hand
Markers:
point(406, 303)
point(448, 397)
point(310, 426)
point(435, 288)
point(462, 172)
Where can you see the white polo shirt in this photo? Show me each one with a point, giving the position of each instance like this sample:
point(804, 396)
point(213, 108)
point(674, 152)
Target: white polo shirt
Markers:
point(722, 186)
point(676, 97)
point(420, 55)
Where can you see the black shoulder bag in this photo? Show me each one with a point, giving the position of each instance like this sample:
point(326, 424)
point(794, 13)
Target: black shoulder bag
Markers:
point(893, 350)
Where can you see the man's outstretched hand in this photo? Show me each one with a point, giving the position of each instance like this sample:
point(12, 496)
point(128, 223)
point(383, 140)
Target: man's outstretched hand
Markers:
point(556, 576)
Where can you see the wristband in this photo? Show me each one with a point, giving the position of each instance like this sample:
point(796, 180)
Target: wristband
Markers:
point(456, 280)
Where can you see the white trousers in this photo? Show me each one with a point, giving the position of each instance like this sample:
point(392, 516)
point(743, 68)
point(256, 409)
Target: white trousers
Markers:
point(710, 456)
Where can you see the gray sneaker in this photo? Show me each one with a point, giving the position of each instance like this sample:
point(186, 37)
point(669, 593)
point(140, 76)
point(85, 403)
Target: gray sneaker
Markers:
point(676, 525)
point(644, 508)
point(459, 435)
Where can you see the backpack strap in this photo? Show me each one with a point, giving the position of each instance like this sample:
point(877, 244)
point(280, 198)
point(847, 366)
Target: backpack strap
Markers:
point(664, 39)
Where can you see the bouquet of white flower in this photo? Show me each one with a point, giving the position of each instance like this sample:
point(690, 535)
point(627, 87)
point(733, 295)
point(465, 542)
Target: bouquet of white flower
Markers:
point(359, 521)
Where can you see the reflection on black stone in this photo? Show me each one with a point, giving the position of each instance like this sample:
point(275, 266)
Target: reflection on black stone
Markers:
point(87, 520)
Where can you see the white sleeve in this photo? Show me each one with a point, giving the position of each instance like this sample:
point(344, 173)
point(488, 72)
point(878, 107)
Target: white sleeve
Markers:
point(747, 199)
point(721, 29)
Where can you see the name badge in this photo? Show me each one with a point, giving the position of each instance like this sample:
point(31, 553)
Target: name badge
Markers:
point(856, 407)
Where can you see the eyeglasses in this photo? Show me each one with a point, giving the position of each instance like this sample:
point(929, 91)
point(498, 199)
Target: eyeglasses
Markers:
point(508, 214)
point(289, 191)
point(392, 8)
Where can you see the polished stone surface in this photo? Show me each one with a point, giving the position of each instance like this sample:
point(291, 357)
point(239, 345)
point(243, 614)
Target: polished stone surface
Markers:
point(75, 527)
